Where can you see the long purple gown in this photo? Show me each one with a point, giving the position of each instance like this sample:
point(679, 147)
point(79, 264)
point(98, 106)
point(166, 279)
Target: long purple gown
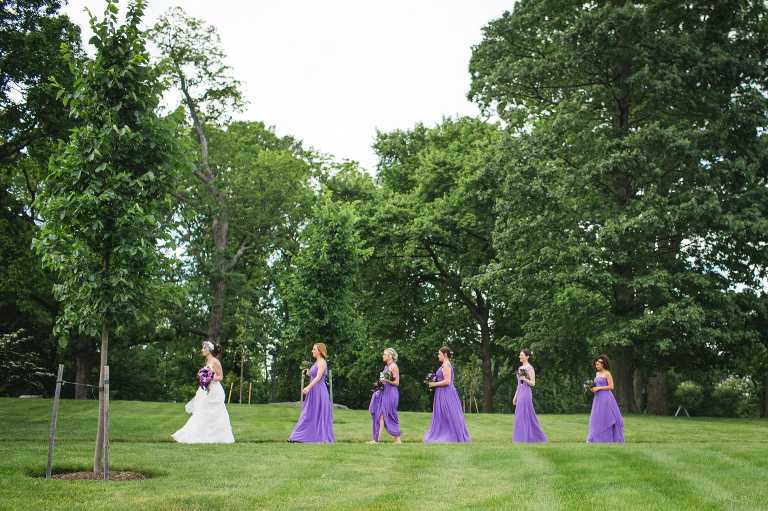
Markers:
point(605, 422)
point(384, 403)
point(315, 424)
point(447, 416)
point(527, 427)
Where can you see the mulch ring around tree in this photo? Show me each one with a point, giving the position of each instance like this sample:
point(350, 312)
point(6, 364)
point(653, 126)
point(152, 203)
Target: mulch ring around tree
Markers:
point(90, 476)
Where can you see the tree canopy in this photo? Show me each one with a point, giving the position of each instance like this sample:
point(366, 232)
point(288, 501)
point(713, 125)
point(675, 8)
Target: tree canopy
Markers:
point(611, 198)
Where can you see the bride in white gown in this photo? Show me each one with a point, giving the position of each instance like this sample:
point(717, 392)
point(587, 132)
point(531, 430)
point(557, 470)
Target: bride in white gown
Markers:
point(209, 423)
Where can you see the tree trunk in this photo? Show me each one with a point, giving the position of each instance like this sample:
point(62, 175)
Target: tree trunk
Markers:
point(218, 284)
point(623, 370)
point(622, 361)
point(98, 456)
point(220, 224)
point(640, 388)
point(273, 377)
point(217, 310)
point(764, 401)
point(82, 370)
point(657, 394)
point(242, 367)
point(485, 354)
point(625, 307)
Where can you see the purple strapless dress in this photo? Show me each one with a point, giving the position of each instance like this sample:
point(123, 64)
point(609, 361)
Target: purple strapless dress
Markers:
point(448, 424)
point(605, 423)
point(315, 424)
point(527, 427)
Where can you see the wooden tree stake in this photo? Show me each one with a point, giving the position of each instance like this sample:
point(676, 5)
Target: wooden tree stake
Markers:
point(54, 420)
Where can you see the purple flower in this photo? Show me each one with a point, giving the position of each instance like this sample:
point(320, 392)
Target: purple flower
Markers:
point(428, 378)
point(205, 377)
point(378, 384)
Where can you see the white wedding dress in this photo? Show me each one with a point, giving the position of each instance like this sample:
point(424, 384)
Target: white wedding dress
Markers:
point(209, 423)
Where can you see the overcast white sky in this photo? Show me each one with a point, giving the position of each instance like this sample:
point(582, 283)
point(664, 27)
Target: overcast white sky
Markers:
point(330, 72)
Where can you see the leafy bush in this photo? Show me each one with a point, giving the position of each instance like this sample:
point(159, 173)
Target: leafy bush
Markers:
point(734, 397)
point(20, 366)
point(689, 395)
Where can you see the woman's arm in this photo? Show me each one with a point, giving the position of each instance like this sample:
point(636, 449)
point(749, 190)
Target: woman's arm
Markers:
point(531, 378)
point(218, 373)
point(320, 373)
point(446, 378)
point(395, 377)
point(610, 382)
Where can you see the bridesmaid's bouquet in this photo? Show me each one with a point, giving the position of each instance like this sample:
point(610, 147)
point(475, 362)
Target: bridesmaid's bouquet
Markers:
point(379, 384)
point(428, 378)
point(205, 377)
point(522, 373)
point(588, 384)
point(305, 366)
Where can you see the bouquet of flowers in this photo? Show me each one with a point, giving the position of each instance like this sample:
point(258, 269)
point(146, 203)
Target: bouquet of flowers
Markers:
point(588, 384)
point(428, 378)
point(305, 366)
point(379, 384)
point(205, 377)
point(522, 373)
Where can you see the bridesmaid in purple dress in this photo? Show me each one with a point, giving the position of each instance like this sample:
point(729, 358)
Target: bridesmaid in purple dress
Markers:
point(527, 427)
point(384, 402)
point(315, 424)
point(605, 422)
point(447, 416)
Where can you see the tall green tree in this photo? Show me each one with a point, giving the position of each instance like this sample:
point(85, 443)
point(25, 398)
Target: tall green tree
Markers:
point(266, 195)
point(394, 305)
point(439, 215)
point(31, 33)
point(31, 121)
point(319, 294)
point(106, 201)
point(640, 152)
point(194, 64)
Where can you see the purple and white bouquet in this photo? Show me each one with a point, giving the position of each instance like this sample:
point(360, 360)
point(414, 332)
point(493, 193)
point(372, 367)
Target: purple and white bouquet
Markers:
point(428, 378)
point(205, 377)
point(379, 384)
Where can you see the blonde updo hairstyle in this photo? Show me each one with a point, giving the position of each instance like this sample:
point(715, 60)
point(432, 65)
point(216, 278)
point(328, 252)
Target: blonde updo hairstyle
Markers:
point(392, 353)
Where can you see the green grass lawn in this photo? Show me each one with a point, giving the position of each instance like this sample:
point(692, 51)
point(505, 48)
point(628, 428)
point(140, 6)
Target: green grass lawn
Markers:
point(668, 463)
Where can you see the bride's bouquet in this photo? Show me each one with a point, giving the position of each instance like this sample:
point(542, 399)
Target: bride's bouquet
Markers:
point(205, 377)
